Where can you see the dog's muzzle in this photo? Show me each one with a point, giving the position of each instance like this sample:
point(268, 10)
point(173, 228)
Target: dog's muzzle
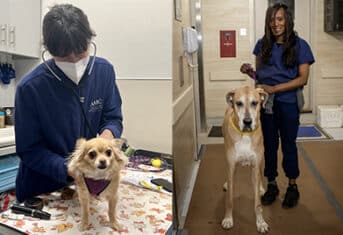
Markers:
point(102, 165)
point(247, 124)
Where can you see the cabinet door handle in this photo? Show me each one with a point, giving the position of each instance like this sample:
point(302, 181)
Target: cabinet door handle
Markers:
point(12, 36)
point(181, 71)
point(3, 34)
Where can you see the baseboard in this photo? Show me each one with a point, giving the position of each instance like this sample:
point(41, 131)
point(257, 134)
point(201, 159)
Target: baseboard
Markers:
point(188, 195)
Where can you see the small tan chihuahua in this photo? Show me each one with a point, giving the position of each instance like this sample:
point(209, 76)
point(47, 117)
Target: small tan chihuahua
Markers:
point(95, 165)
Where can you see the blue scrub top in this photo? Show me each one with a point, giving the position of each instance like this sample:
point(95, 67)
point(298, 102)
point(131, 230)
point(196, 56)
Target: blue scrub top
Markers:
point(275, 72)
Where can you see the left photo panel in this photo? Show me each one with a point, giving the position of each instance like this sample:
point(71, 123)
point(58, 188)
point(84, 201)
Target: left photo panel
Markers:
point(86, 117)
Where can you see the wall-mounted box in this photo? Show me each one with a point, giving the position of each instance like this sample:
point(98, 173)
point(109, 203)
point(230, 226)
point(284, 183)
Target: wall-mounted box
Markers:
point(227, 43)
point(329, 116)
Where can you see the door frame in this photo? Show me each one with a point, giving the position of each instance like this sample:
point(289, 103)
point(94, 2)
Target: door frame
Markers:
point(185, 119)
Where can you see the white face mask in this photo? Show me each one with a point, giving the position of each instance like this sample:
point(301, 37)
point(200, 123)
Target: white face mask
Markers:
point(74, 71)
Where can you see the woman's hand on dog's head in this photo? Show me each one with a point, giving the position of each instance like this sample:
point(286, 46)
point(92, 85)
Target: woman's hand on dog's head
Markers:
point(107, 134)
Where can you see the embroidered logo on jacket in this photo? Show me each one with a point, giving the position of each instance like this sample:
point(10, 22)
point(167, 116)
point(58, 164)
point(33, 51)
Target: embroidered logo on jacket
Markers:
point(96, 105)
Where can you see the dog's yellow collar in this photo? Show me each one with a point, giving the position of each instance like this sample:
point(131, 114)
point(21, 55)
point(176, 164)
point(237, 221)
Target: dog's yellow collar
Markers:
point(239, 131)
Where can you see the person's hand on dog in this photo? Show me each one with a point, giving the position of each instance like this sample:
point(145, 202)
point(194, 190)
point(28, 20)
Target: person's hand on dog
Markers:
point(70, 174)
point(107, 134)
point(247, 68)
point(67, 193)
point(244, 68)
point(267, 88)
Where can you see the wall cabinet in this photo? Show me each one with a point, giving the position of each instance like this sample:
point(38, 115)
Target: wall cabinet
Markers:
point(20, 27)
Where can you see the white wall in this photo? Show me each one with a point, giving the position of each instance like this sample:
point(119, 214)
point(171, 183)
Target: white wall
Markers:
point(135, 35)
point(147, 113)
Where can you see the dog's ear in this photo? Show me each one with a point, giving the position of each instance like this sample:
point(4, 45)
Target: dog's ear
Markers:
point(118, 142)
point(80, 142)
point(263, 95)
point(118, 154)
point(79, 148)
point(76, 155)
point(120, 157)
point(229, 97)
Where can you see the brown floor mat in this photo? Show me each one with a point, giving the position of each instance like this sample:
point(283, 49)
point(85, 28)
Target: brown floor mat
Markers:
point(313, 215)
point(327, 157)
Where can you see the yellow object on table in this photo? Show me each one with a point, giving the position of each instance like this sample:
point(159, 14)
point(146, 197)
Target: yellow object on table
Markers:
point(149, 186)
point(156, 162)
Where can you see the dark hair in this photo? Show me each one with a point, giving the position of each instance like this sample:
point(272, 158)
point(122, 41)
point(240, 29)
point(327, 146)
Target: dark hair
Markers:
point(289, 38)
point(66, 31)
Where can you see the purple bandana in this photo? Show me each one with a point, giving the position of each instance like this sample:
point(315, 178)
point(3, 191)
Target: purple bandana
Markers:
point(95, 187)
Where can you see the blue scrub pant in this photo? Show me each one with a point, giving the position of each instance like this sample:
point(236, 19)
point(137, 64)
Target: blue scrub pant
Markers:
point(283, 124)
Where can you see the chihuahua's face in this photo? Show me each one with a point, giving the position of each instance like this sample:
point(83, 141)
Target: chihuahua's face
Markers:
point(97, 155)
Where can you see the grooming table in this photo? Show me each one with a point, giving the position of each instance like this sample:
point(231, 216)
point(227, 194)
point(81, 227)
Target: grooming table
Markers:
point(139, 210)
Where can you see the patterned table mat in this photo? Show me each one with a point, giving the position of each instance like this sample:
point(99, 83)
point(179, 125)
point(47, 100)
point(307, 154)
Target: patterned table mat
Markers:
point(139, 211)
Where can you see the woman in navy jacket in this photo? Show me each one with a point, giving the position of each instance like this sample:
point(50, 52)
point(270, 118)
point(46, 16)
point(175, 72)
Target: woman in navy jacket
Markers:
point(70, 96)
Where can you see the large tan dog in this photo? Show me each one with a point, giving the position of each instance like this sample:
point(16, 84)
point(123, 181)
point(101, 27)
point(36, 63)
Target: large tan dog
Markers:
point(95, 165)
point(244, 145)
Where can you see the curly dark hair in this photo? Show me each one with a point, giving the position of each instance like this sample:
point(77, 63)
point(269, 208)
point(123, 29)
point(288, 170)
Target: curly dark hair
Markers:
point(289, 38)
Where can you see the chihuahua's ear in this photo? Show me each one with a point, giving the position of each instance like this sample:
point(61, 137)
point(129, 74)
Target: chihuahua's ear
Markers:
point(76, 155)
point(118, 142)
point(229, 97)
point(79, 148)
point(263, 95)
point(121, 158)
point(80, 142)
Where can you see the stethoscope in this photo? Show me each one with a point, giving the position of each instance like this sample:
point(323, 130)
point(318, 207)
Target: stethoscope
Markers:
point(80, 100)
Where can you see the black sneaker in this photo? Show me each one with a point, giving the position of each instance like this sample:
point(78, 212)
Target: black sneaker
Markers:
point(270, 196)
point(291, 197)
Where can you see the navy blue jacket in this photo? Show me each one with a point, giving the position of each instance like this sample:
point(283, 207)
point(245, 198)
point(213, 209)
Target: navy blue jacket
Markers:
point(49, 120)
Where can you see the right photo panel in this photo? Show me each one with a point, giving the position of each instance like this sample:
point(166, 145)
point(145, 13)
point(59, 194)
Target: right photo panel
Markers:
point(257, 116)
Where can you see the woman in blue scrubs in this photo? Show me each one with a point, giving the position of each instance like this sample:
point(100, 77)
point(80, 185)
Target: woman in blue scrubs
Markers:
point(283, 60)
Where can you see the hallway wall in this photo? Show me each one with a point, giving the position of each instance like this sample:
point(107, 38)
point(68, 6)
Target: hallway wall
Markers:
point(222, 74)
point(329, 62)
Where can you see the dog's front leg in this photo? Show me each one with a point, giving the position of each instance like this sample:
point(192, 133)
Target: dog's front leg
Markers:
point(112, 205)
point(262, 226)
point(228, 220)
point(83, 196)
